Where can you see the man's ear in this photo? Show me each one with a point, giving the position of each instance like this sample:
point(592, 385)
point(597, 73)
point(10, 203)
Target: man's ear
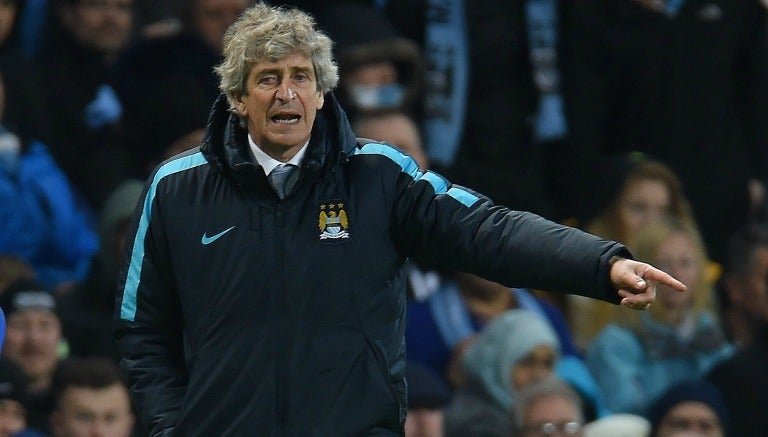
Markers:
point(240, 105)
point(320, 99)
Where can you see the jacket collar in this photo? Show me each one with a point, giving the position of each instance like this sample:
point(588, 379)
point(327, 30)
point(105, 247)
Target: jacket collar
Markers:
point(225, 144)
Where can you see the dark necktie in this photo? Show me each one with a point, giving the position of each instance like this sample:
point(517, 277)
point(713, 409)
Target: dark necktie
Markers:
point(281, 179)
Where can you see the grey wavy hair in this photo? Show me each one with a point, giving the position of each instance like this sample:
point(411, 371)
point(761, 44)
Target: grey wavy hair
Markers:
point(270, 33)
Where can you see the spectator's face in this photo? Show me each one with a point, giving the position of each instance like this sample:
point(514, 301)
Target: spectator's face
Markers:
point(554, 414)
point(281, 104)
point(8, 9)
point(677, 256)
point(535, 366)
point(88, 412)
point(396, 129)
point(642, 202)
point(31, 340)
point(104, 25)
point(424, 422)
point(214, 17)
point(750, 294)
point(689, 419)
point(13, 418)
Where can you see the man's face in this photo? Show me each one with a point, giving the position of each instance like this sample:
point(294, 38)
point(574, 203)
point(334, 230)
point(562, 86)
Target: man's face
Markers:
point(552, 413)
point(280, 104)
point(750, 294)
point(104, 25)
point(88, 412)
point(213, 17)
point(31, 340)
point(690, 419)
point(535, 366)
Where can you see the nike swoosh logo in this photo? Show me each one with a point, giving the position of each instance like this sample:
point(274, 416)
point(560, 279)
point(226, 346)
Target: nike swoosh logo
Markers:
point(206, 240)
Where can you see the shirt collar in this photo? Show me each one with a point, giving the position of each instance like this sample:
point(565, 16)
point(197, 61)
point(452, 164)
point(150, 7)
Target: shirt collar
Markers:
point(269, 163)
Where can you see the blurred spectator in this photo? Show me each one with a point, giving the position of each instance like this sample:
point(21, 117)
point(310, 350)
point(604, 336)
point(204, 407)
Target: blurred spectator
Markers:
point(86, 313)
point(743, 379)
point(492, 119)
point(439, 329)
point(167, 82)
point(744, 287)
point(42, 222)
point(684, 82)
point(77, 68)
point(548, 407)
point(691, 408)
point(395, 128)
point(427, 398)
point(33, 340)
point(514, 350)
point(91, 399)
point(14, 400)
point(618, 425)
point(379, 69)
point(639, 190)
point(25, 110)
point(678, 338)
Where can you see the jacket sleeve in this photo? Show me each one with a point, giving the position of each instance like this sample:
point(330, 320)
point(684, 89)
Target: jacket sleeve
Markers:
point(148, 321)
point(453, 228)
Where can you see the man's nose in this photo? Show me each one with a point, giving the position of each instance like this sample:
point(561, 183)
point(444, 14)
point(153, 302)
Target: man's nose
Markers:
point(285, 93)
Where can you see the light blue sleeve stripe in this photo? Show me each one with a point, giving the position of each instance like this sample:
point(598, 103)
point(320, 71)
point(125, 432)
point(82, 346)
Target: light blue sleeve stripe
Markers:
point(465, 197)
point(406, 163)
point(409, 166)
point(130, 291)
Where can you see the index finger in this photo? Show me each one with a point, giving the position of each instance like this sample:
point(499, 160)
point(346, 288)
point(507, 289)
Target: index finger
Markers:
point(664, 278)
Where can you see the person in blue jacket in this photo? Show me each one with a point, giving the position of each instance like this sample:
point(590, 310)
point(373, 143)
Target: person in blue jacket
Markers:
point(264, 285)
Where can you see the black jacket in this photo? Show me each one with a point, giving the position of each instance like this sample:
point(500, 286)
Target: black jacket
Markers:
point(239, 314)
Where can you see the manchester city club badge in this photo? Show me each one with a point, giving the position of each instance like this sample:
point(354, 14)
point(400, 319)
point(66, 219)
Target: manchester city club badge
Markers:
point(333, 221)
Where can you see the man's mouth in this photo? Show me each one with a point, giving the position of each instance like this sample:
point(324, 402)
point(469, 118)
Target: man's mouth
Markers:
point(286, 118)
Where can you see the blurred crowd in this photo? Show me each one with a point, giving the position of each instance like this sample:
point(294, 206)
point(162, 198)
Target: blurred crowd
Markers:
point(641, 121)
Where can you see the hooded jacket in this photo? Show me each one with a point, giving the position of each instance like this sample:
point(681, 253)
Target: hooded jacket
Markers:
point(242, 314)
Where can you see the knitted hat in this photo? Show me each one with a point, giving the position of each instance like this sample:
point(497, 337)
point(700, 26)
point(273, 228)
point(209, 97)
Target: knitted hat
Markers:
point(688, 391)
point(25, 294)
point(618, 425)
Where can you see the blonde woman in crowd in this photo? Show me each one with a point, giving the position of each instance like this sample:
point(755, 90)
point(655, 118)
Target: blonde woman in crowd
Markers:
point(646, 191)
point(677, 338)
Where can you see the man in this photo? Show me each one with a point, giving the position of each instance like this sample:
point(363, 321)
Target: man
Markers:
point(254, 306)
point(743, 378)
point(77, 63)
point(548, 407)
point(692, 408)
point(91, 400)
point(744, 289)
point(32, 339)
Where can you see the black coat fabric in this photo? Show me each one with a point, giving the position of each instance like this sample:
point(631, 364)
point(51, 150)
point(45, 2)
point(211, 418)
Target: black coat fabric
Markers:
point(743, 381)
point(690, 90)
point(242, 314)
